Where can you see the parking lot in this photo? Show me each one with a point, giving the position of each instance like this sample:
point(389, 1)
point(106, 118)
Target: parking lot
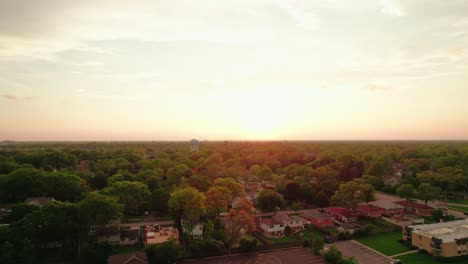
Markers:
point(362, 253)
point(296, 255)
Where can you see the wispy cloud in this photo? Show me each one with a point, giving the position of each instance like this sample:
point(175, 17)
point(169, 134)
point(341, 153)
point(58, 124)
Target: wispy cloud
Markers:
point(392, 8)
point(13, 97)
point(375, 87)
point(9, 97)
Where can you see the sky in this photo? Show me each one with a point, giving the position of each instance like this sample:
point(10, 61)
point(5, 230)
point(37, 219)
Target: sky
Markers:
point(233, 70)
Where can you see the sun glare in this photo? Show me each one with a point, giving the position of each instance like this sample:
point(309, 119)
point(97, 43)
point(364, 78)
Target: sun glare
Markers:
point(259, 114)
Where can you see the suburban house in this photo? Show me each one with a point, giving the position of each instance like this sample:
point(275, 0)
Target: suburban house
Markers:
point(252, 196)
point(268, 185)
point(108, 234)
point(129, 237)
point(158, 236)
point(349, 228)
point(5, 210)
point(342, 214)
point(39, 201)
point(369, 211)
point(405, 220)
point(197, 231)
point(389, 207)
point(272, 227)
point(295, 223)
point(449, 239)
point(416, 208)
point(321, 220)
point(394, 177)
point(129, 258)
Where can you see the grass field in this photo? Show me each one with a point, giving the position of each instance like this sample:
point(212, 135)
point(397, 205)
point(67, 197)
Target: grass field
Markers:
point(458, 201)
point(385, 243)
point(286, 238)
point(458, 208)
point(308, 234)
point(418, 258)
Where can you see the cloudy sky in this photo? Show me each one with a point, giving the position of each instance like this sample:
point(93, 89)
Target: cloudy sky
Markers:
point(242, 69)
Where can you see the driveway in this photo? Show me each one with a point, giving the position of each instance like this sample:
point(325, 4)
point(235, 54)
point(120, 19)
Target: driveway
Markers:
point(362, 253)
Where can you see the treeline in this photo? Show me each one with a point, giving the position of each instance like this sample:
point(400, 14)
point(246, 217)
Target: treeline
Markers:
point(130, 178)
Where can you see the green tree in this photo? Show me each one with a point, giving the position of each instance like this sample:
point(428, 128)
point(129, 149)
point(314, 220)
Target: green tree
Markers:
point(167, 252)
point(19, 210)
point(427, 192)
point(236, 189)
point(27, 254)
point(352, 193)
point(7, 253)
point(237, 224)
point(132, 194)
point(317, 244)
point(175, 173)
point(188, 205)
point(321, 200)
point(64, 186)
point(159, 199)
point(270, 201)
point(217, 199)
point(406, 191)
point(99, 209)
point(332, 255)
point(199, 182)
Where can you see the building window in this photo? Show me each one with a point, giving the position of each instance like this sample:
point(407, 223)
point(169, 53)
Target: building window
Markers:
point(271, 226)
point(281, 225)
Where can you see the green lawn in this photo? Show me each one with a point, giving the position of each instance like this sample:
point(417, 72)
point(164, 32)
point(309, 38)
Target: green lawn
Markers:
point(418, 258)
point(385, 243)
point(308, 234)
point(458, 201)
point(252, 237)
point(458, 208)
point(286, 238)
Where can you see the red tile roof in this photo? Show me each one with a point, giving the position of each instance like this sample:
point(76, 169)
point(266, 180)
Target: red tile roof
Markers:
point(342, 211)
point(368, 208)
point(271, 221)
point(414, 205)
point(319, 216)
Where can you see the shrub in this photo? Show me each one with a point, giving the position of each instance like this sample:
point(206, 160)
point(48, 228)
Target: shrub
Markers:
point(333, 255)
point(423, 251)
point(247, 244)
point(317, 244)
point(343, 236)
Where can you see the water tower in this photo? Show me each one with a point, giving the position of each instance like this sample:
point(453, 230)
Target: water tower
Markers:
point(194, 145)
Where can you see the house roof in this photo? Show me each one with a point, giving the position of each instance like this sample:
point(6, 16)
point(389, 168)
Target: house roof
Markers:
point(447, 231)
point(414, 205)
point(368, 208)
point(107, 230)
point(40, 201)
point(387, 205)
point(319, 216)
point(349, 226)
point(341, 211)
point(129, 258)
point(271, 221)
point(130, 233)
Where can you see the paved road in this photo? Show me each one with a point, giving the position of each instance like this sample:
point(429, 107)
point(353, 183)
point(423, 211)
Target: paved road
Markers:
point(363, 254)
point(305, 211)
point(137, 225)
point(288, 256)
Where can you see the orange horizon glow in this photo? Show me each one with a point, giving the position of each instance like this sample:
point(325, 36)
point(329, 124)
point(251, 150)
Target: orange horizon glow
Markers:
point(233, 70)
